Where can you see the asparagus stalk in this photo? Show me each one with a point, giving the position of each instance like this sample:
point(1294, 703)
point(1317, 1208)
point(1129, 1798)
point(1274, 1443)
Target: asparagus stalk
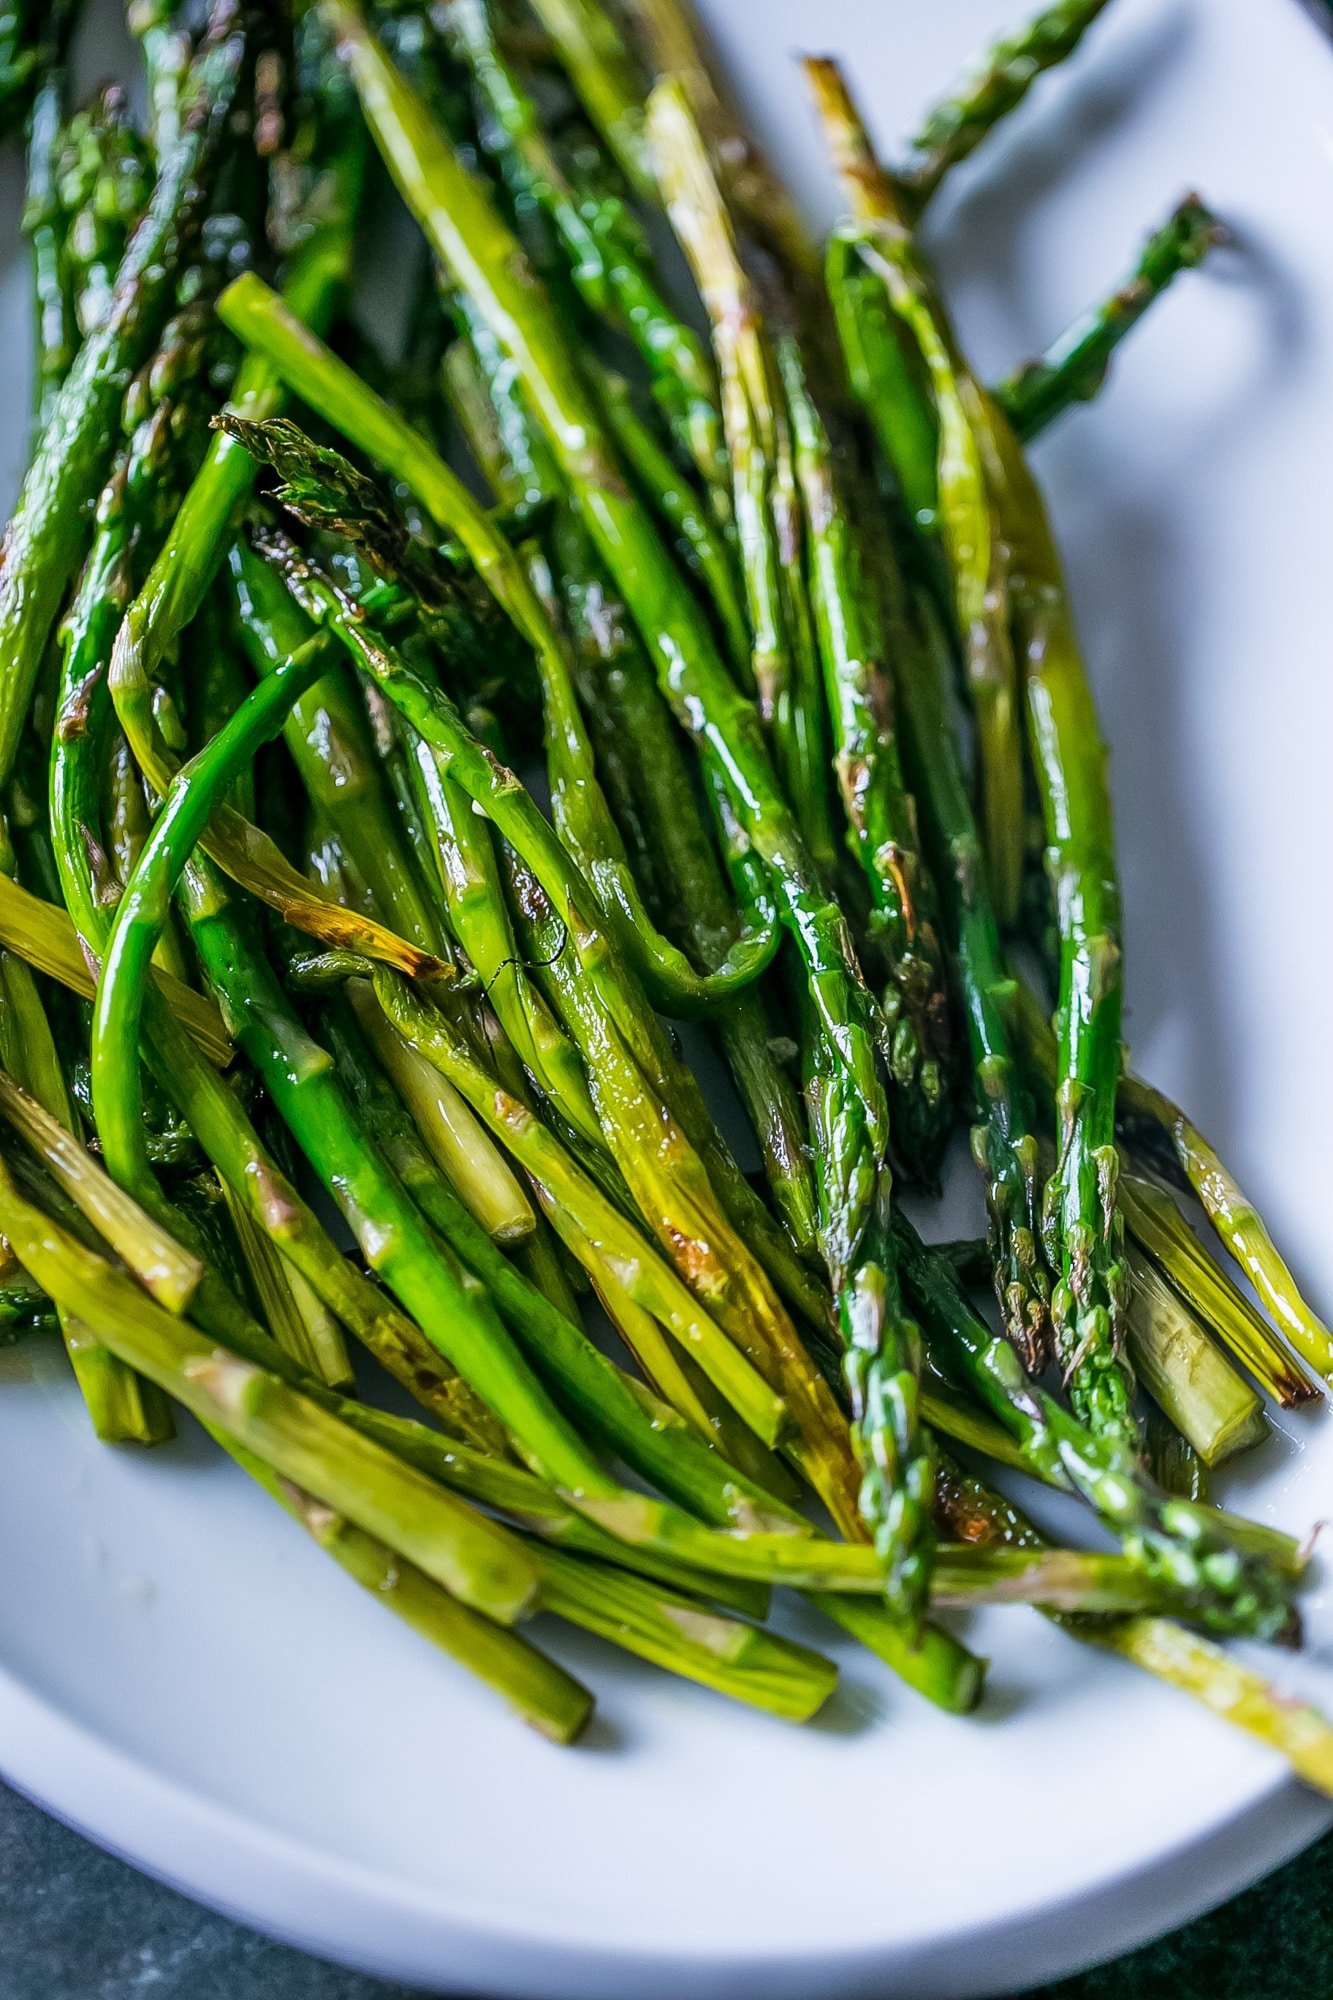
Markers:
point(881, 815)
point(56, 331)
point(1231, 1588)
point(1155, 1222)
point(1075, 367)
point(1003, 1144)
point(993, 88)
point(1205, 1399)
point(671, 43)
point(601, 68)
point(949, 489)
point(1181, 1659)
point(701, 546)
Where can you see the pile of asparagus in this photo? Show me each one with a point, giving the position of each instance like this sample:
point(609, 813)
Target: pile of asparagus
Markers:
point(747, 573)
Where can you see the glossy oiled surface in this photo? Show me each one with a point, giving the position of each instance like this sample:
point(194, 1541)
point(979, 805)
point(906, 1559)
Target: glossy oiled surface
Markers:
point(189, 1680)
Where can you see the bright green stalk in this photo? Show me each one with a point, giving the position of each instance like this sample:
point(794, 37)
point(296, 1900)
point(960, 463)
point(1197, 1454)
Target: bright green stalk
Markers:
point(43, 224)
point(144, 908)
point(991, 90)
point(469, 1555)
point(1002, 1141)
point(1075, 367)
point(600, 67)
point(705, 551)
point(484, 258)
point(1082, 1220)
point(48, 528)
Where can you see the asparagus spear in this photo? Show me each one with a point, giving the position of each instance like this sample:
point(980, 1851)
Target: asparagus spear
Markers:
point(601, 68)
point(484, 258)
point(948, 489)
point(1002, 1140)
point(1155, 1222)
point(1232, 1589)
point(1075, 367)
point(992, 89)
point(46, 532)
point(672, 44)
point(1181, 1659)
point(1004, 515)
point(881, 815)
point(43, 223)
point(321, 230)
point(1152, 1121)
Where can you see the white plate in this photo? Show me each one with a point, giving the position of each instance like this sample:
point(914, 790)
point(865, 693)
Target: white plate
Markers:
point(183, 1676)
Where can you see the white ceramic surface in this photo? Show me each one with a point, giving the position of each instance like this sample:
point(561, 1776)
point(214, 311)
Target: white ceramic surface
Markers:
point(188, 1680)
